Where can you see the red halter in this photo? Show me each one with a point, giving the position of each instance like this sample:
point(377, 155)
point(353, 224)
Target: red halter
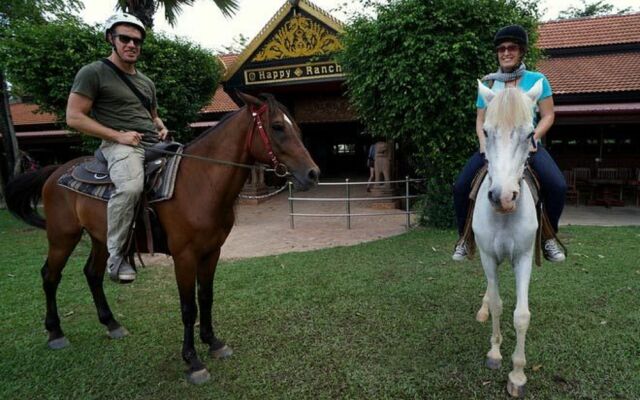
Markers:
point(278, 168)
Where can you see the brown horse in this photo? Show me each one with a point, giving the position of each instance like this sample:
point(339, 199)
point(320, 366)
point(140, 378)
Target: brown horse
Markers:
point(197, 220)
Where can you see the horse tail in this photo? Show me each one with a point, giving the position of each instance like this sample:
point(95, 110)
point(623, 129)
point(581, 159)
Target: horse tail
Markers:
point(23, 192)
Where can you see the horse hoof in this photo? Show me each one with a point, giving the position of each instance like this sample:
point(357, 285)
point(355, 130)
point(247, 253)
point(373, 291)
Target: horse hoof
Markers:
point(199, 377)
point(493, 363)
point(515, 390)
point(482, 316)
point(222, 353)
point(118, 333)
point(59, 343)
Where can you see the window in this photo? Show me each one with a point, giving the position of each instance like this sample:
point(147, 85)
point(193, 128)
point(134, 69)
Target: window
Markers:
point(344, 149)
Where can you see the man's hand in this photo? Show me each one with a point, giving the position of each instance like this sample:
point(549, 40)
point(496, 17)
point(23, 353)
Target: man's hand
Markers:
point(162, 133)
point(160, 128)
point(131, 138)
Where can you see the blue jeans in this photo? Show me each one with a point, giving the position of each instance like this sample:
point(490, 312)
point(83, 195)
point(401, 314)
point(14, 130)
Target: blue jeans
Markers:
point(551, 179)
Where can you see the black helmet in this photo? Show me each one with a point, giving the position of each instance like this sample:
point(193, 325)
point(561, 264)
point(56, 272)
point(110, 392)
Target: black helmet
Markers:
point(515, 33)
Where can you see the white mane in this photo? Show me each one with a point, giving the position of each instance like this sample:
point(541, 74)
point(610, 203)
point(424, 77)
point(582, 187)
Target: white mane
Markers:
point(509, 109)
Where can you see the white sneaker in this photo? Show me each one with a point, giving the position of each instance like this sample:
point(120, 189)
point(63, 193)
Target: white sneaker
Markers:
point(553, 252)
point(460, 254)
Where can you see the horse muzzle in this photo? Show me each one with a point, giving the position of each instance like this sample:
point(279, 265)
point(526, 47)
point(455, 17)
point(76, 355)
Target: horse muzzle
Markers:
point(503, 203)
point(307, 179)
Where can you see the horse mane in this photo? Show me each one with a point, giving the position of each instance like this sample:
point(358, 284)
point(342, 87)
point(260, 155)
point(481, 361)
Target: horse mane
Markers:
point(207, 131)
point(272, 103)
point(509, 109)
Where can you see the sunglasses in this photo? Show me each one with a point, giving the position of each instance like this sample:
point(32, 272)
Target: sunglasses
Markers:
point(125, 39)
point(512, 48)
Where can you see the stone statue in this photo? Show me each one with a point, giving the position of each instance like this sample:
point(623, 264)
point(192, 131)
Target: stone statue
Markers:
point(382, 163)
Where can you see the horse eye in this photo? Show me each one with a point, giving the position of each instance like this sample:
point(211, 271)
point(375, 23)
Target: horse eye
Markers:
point(485, 133)
point(277, 127)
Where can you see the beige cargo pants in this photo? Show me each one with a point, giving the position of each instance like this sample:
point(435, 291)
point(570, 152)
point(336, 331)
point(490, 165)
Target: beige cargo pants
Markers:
point(126, 170)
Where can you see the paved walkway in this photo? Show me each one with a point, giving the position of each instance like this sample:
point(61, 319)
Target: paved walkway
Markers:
point(600, 216)
point(265, 230)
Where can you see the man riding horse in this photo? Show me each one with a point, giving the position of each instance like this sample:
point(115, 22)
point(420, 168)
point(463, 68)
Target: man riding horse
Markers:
point(111, 100)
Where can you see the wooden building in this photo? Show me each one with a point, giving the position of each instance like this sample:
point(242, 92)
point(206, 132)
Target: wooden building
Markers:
point(593, 65)
point(292, 58)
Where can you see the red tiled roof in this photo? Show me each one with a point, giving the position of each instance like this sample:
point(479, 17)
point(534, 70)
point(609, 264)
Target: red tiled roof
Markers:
point(581, 32)
point(24, 114)
point(593, 73)
point(221, 102)
point(228, 59)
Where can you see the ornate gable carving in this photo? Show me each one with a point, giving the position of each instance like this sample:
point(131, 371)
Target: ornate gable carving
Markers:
point(299, 37)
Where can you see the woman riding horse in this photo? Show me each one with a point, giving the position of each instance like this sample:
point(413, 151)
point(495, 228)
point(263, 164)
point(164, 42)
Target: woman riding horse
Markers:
point(511, 44)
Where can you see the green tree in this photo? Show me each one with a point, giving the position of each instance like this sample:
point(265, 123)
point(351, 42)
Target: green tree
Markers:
point(412, 67)
point(592, 10)
point(37, 12)
point(238, 43)
point(146, 9)
point(43, 60)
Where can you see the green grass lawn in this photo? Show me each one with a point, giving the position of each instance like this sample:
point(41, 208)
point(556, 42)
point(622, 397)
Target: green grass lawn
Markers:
point(388, 319)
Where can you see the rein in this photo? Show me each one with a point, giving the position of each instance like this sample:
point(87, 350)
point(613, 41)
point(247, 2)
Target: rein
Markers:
point(279, 169)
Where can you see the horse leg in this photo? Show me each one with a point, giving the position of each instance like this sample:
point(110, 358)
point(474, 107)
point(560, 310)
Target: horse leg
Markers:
point(206, 272)
point(494, 358)
point(59, 251)
point(483, 313)
point(94, 272)
point(185, 268)
point(521, 318)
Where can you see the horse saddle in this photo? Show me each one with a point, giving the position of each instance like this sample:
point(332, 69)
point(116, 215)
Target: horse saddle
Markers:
point(95, 171)
point(91, 177)
point(545, 230)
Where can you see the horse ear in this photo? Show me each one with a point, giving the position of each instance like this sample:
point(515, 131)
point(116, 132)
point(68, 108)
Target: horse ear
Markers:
point(249, 99)
point(536, 91)
point(486, 93)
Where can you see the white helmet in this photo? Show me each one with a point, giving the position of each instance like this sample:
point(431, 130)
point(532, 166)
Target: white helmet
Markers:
point(123, 18)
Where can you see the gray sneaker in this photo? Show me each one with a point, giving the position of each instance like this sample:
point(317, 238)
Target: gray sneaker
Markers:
point(120, 270)
point(460, 254)
point(553, 252)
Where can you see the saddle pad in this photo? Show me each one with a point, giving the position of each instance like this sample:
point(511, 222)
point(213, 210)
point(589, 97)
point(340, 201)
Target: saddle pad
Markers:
point(162, 189)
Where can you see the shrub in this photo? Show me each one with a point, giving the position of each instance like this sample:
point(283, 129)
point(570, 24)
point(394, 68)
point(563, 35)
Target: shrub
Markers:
point(411, 76)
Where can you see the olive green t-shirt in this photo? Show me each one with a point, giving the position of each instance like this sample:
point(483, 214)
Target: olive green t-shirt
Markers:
point(114, 103)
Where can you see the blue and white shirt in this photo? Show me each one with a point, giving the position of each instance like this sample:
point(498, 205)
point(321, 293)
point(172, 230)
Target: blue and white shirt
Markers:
point(529, 78)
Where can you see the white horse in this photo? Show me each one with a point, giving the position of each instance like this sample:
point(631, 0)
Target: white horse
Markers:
point(504, 219)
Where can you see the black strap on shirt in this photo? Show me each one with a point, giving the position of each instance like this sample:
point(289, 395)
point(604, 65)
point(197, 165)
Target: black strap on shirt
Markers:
point(146, 103)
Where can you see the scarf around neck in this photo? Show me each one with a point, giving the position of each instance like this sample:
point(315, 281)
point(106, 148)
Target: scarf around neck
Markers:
point(505, 76)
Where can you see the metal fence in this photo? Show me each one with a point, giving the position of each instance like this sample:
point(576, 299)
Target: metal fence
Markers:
point(347, 200)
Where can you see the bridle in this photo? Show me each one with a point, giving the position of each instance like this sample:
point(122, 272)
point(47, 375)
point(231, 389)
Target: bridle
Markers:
point(279, 168)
